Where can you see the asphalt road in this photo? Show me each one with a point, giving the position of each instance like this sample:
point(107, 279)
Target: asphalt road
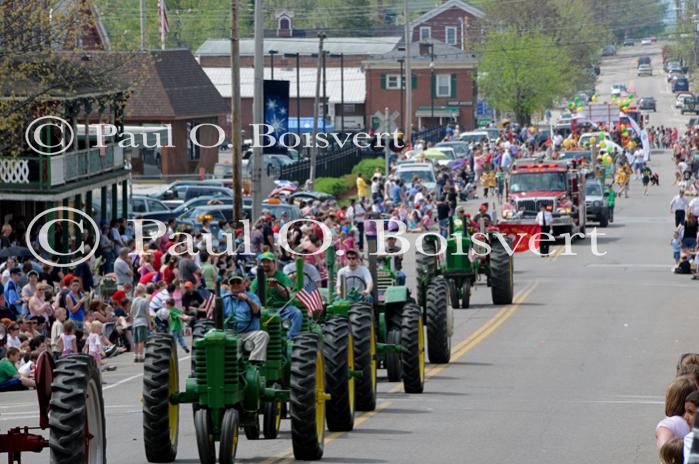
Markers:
point(574, 371)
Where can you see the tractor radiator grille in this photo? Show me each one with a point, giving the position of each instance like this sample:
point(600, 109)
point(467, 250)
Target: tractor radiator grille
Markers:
point(230, 363)
point(274, 348)
point(383, 281)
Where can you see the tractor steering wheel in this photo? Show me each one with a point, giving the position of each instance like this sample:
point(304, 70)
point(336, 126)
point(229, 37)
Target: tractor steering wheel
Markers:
point(349, 287)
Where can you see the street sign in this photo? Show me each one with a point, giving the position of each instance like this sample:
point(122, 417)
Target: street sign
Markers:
point(382, 125)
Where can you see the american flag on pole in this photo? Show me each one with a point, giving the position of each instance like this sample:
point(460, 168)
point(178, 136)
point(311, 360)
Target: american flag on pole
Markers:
point(310, 298)
point(209, 305)
point(163, 25)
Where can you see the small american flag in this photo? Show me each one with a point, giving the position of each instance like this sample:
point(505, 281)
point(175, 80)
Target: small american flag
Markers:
point(163, 24)
point(209, 305)
point(311, 299)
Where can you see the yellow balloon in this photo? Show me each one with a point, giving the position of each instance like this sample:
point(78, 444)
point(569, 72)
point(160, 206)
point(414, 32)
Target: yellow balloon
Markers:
point(566, 143)
point(593, 140)
point(594, 98)
point(581, 109)
point(614, 98)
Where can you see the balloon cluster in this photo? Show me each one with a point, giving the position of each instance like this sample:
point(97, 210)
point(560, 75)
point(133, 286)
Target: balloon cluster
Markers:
point(578, 105)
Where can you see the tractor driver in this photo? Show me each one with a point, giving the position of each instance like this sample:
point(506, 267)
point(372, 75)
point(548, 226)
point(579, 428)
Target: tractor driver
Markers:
point(277, 292)
point(483, 214)
point(356, 276)
point(242, 309)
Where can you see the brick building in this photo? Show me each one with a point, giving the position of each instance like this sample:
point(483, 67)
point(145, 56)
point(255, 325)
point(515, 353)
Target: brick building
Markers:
point(454, 23)
point(443, 77)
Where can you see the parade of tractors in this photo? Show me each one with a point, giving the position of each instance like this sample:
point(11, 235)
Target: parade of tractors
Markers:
point(316, 380)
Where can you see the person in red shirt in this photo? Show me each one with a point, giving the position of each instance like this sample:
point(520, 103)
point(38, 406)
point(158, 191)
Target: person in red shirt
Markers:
point(157, 255)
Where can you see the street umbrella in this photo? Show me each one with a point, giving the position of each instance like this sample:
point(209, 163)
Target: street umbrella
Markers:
point(16, 251)
point(435, 155)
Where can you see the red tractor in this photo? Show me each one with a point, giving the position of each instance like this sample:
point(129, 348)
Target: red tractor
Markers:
point(559, 186)
point(70, 406)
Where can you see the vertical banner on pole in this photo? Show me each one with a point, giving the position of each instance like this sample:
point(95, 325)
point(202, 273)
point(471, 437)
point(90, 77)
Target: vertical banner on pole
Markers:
point(276, 101)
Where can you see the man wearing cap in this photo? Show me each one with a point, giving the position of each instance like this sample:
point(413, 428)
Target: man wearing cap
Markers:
point(241, 309)
point(350, 275)
point(483, 214)
point(277, 292)
point(12, 297)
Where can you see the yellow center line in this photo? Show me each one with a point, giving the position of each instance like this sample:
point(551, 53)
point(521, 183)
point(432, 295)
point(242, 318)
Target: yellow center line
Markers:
point(463, 347)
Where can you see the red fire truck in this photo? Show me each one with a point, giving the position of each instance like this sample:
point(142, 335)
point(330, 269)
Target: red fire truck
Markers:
point(557, 185)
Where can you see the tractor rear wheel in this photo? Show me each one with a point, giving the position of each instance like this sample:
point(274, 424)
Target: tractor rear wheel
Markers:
point(466, 293)
point(205, 437)
point(76, 418)
point(501, 273)
point(272, 417)
point(361, 317)
point(307, 397)
point(229, 437)
point(413, 347)
point(339, 361)
point(160, 417)
point(437, 312)
point(392, 360)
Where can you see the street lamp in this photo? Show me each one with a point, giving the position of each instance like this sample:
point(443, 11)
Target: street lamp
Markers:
point(271, 57)
point(342, 88)
point(402, 80)
point(324, 78)
point(297, 55)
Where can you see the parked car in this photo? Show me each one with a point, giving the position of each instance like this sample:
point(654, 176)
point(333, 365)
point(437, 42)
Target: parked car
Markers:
point(310, 196)
point(690, 105)
point(145, 207)
point(177, 195)
point(647, 103)
point(460, 149)
point(680, 85)
point(424, 171)
point(672, 77)
point(618, 89)
point(645, 59)
point(645, 42)
point(474, 137)
point(628, 42)
point(272, 164)
point(645, 70)
point(672, 65)
point(693, 122)
point(609, 51)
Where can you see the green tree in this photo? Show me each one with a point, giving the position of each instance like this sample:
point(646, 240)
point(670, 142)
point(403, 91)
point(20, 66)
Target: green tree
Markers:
point(523, 72)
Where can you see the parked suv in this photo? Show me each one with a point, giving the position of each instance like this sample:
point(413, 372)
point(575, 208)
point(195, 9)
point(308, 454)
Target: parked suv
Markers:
point(596, 203)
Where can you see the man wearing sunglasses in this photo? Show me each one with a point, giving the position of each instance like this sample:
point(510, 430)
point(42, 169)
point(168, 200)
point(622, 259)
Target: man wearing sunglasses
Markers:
point(355, 276)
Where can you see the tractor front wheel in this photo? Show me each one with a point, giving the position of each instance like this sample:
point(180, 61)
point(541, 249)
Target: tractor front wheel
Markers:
point(205, 437)
point(252, 431)
point(437, 311)
point(413, 348)
point(339, 361)
point(229, 437)
point(361, 317)
point(272, 417)
point(454, 294)
point(160, 417)
point(501, 274)
point(307, 397)
point(76, 421)
point(466, 293)
point(392, 360)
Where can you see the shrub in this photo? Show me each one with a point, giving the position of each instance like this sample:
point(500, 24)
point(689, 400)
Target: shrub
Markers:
point(368, 166)
point(333, 185)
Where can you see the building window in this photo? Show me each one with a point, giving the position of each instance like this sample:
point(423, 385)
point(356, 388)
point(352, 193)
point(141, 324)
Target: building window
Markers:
point(443, 85)
point(450, 35)
point(425, 32)
point(393, 81)
point(349, 108)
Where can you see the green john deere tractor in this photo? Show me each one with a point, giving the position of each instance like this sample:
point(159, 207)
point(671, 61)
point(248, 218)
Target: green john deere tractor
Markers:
point(228, 391)
point(464, 264)
point(389, 332)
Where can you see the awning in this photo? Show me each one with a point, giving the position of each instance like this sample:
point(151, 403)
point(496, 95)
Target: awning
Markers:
point(307, 125)
point(425, 111)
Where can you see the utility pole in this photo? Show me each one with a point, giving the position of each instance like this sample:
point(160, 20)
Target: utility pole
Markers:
point(236, 142)
point(258, 110)
point(408, 76)
point(386, 150)
point(143, 24)
point(325, 94)
point(314, 147)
